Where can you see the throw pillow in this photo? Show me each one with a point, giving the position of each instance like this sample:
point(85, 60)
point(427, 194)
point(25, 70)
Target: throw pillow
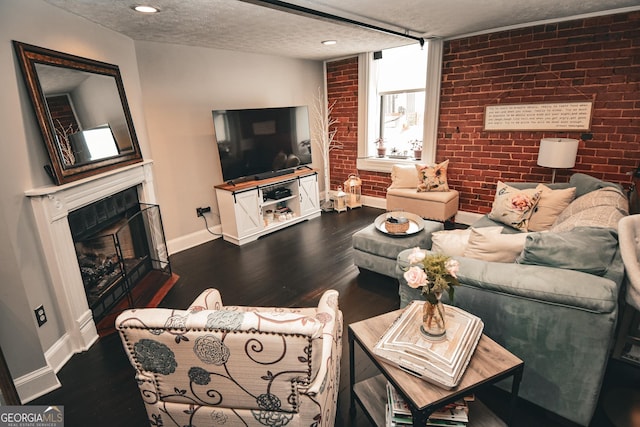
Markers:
point(599, 208)
point(488, 246)
point(433, 178)
point(404, 176)
point(588, 249)
point(512, 206)
point(549, 207)
point(454, 242)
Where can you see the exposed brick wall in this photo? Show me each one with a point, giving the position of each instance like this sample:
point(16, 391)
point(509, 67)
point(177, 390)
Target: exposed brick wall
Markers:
point(595, 59)
point(62, 114)
point(342, 87)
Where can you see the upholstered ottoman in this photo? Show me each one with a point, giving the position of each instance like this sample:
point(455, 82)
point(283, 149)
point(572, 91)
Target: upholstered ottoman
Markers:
point(377, 251)
point(435, 205)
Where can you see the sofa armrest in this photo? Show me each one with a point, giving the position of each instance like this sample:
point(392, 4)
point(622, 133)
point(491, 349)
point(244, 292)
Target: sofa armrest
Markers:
point(251, 319)
point(545, 284)
point(554, 285)
point(331, 339)
point(629, 230)
point(209, 299)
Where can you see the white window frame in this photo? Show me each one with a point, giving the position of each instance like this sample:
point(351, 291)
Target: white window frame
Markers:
point(368, 105)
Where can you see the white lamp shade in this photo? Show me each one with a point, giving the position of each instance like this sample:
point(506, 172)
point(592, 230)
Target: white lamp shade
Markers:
point(558, 152)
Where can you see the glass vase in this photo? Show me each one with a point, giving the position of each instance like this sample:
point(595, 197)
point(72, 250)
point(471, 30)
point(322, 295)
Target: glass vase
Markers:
point(433, 318)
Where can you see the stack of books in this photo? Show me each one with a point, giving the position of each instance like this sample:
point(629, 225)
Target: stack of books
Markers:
point(398, 413)
point(440, 362)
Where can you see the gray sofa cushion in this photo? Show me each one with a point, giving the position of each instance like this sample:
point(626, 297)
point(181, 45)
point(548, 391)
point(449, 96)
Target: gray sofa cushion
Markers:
point(568, 288)
point(588, 249)
point(585, 184)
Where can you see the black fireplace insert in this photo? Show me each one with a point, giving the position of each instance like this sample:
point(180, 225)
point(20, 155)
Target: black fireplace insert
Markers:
point(118, 241)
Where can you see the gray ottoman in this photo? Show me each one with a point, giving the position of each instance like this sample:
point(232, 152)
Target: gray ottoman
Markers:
point(377, 251)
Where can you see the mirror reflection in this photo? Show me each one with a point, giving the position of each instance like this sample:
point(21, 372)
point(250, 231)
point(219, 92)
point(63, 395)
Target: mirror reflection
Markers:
point(85, 130)
point(82, 111)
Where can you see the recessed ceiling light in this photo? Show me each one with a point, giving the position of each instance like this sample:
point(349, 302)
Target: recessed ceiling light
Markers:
point(329, 42)
point(145, 9)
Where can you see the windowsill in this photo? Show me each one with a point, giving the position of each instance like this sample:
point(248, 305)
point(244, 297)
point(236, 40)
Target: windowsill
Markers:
point(383, 164)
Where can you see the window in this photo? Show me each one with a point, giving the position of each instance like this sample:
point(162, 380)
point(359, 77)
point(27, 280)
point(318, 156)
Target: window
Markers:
point(399, 79)
point(399, 100)
point(401, 122)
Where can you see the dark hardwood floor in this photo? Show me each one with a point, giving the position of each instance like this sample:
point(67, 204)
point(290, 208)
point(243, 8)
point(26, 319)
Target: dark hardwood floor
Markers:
point(291, 267)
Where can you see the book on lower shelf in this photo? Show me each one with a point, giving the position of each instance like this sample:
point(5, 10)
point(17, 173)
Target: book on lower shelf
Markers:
point(398, 413)
point(440, 362)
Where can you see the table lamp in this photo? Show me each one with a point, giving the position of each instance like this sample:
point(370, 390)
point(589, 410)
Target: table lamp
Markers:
point(557, 153)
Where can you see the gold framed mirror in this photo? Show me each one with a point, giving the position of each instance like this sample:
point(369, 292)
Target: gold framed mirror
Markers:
point(82, 111)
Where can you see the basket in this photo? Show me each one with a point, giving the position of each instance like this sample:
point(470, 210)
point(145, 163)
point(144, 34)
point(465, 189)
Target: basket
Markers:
point(396, 225)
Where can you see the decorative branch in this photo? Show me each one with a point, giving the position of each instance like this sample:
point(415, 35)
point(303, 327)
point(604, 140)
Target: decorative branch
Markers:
point(325, 125)
point(63, 141)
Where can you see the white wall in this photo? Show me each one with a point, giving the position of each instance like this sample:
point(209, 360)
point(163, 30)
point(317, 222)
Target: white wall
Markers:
point(25, 283)
point(181, 86)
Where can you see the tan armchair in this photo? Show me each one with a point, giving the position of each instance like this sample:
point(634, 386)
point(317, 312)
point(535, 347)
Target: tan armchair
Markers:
point(234, 365)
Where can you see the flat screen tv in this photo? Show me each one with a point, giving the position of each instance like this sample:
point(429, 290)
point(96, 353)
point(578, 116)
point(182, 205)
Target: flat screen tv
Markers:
point(262, 142)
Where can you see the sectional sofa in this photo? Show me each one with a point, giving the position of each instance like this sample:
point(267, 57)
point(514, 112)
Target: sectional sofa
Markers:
point(556, 306)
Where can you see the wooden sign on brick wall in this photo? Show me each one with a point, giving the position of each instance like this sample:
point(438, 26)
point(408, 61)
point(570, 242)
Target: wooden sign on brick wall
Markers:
point(560, 116)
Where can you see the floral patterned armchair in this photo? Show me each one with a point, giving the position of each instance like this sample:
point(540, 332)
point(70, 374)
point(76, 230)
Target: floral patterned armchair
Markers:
point(238, 366)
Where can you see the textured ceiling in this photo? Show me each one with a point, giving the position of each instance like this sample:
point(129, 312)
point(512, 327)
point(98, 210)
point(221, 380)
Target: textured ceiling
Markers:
point(247, 25)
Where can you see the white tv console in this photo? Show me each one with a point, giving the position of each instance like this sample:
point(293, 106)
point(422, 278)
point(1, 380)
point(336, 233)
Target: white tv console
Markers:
point(244, 206)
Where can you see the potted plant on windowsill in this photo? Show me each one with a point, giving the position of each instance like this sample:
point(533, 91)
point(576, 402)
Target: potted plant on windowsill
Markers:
point(417, 149)
point(382, 150)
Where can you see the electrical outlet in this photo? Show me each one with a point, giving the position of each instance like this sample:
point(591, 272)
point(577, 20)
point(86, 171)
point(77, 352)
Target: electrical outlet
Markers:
point(202, 211)
point(41, 316)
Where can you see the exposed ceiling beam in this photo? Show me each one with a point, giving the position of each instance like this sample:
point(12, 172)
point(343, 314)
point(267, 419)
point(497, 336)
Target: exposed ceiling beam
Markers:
point(294, 8)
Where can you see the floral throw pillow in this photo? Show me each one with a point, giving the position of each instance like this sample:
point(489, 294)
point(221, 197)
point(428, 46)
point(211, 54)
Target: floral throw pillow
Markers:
point(433, 178)
point(513, 206)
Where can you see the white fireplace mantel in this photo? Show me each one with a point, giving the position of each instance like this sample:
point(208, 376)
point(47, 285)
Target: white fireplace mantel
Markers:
point(51, 206)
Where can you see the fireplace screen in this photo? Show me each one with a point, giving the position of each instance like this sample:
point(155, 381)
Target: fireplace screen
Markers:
point(117, 245)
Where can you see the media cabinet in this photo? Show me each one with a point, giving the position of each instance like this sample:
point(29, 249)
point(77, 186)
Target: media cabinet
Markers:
point(246, 213)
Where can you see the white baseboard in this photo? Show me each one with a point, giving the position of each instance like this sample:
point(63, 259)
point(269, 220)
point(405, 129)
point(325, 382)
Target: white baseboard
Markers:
point(36, 384)
point(43, 380)
point(59, 353)
point(182, 243)
point(375, 202)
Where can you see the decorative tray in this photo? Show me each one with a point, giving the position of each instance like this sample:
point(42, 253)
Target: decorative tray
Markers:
point(439, 362)
point(416, 223)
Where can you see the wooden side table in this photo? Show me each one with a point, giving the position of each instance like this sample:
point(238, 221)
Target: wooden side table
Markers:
point(489, 364)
